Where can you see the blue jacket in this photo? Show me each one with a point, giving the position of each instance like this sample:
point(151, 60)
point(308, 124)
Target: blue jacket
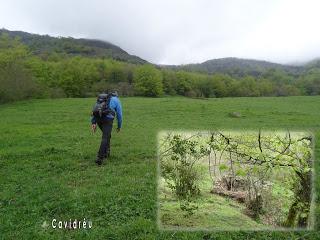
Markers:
point(115, 105)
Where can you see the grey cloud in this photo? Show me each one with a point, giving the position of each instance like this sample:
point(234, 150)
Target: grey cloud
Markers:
point(175, 32)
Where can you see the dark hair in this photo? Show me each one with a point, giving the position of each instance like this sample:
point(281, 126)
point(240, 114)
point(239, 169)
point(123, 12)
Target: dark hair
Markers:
point(111, 91)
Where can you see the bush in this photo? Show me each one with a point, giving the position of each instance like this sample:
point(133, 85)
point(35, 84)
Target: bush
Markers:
point(17, 84)
point(148, 81)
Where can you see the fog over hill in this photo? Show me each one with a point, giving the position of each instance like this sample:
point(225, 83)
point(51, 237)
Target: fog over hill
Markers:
point(45, 44)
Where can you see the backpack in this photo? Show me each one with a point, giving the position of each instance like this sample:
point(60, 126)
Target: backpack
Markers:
point(102, 106)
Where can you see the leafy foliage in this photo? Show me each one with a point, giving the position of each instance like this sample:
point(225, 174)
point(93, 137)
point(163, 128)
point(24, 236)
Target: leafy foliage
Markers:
point(44, 45)
point(148, 81)
point(178, 168)
point(246, 162)
point(67, 67)
point(16, 79)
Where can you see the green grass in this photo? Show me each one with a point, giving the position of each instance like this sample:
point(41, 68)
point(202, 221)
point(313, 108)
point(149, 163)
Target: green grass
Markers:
point(213, 213)
point(47, 165)
point(220, 213)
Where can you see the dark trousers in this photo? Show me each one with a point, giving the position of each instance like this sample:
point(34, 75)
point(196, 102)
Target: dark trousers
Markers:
point(106, 128)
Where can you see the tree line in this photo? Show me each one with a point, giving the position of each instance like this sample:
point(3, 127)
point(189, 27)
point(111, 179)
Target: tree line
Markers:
point(25, 75)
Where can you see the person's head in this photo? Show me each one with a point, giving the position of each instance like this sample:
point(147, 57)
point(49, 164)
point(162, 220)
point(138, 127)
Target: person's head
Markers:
point(113, 92)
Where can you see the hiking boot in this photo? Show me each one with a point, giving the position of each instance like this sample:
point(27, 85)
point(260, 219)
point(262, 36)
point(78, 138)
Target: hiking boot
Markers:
point(106, 155)
point(99, 161)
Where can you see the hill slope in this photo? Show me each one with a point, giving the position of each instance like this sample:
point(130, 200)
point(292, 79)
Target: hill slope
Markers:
point(236, 67)
point(44, 45)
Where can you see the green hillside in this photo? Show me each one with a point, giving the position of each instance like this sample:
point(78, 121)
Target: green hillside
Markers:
point(44, 45)
point(35, 66)
point(47, 163)
point(238, 67)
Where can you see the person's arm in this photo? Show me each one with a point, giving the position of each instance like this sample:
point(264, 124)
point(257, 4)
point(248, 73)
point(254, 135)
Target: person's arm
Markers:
point(118, 109)
point(93, 123)
point(93, 120)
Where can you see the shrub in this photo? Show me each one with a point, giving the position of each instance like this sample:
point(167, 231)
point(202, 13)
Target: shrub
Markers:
point(148, 81)
point(17, 84)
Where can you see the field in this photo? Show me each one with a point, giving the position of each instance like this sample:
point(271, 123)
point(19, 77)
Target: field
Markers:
point(47, 165)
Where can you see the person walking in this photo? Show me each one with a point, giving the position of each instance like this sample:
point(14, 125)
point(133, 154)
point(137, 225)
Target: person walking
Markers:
point(107, 107)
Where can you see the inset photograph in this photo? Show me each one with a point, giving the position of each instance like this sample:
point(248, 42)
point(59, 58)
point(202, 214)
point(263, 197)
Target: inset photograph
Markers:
point(235, 180)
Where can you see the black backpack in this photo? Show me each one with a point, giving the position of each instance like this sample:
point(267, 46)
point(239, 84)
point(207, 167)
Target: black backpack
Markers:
point(102, 106)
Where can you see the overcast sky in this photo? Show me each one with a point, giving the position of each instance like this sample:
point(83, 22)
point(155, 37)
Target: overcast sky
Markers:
point(179, 31)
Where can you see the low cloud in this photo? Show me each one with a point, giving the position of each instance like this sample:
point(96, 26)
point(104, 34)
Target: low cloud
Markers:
point(179, 32)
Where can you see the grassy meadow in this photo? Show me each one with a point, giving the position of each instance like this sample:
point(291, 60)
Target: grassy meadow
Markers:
point(47, 168)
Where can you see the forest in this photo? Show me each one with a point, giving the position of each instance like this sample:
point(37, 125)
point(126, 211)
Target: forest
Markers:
point(26, 73)
point(266, 176)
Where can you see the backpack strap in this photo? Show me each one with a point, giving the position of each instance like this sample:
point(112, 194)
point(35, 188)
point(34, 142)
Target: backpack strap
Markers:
point(109, 110)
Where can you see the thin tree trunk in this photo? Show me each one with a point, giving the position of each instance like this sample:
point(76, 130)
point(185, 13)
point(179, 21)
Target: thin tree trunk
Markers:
point(290, 222)
point(305, 197)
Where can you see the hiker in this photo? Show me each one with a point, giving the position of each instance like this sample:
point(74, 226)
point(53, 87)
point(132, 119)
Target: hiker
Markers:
point(106, 108)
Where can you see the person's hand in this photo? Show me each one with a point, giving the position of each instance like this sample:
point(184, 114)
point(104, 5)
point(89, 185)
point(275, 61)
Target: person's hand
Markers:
point(118, 129)
point(94, 127)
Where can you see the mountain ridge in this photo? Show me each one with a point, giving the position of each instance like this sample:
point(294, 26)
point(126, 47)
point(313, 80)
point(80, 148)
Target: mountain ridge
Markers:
point(43, 45)
point(236, 66)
